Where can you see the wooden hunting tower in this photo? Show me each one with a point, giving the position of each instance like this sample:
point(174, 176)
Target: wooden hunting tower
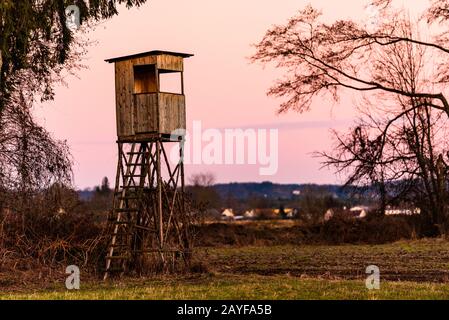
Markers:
point(148, 225)
point(141, 106)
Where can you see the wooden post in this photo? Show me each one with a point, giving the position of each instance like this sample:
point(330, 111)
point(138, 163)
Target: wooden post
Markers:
point(182, 82)
point(158, 80)
point(159, 193)
point(181, 157)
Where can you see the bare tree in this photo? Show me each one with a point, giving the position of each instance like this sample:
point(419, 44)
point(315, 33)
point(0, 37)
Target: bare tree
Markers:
point(202, 190)
point(323, 59)
point(31, 160)
point(206, 179)
point(400, 79)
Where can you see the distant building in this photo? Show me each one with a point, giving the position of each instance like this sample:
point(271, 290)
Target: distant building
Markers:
point(402, 212)
point(249, 214)
point(357, 212)
point(329, 214)
point(228, 214)
point(284, 213)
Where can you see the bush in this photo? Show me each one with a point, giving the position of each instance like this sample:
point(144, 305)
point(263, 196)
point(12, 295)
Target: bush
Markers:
point(375, 230)
point(50, 232)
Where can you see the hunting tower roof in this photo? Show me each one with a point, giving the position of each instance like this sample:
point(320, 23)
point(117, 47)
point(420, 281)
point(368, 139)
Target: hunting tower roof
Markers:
point(150, 53)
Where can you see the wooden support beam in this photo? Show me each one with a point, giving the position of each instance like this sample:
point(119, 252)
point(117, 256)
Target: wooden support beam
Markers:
point(149, 208)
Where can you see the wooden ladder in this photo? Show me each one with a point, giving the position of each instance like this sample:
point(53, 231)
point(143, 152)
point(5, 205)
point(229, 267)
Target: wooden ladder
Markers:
point(122, 219)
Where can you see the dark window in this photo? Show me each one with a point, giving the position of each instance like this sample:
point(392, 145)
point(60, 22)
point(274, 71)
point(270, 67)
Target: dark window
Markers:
point(145, 79)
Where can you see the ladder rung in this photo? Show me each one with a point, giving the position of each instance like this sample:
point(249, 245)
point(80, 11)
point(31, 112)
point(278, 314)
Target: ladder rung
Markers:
point(159, 250)
point(143, 228)
point(134, 175)
point(136, 164)
point(136, 152)
point(130, 187)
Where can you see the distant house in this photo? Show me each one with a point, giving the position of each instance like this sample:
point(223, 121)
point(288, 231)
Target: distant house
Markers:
point(249, 214)
point(294, 214)
point(402, 212)
point(287, 213)
point(329, 214)
point(357, 212)
point(228, 214)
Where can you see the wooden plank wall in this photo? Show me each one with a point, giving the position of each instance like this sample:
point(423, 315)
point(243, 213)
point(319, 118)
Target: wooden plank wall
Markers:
point(124, 88)
point(139, 113)
point(172, 112)
point(168, 62)
point(146, 113)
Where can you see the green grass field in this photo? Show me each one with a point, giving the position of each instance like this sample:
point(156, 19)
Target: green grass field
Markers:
point(219, 287)
point(409, 270)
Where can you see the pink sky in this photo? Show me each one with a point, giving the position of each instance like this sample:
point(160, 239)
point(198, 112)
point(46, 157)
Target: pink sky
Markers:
point(223, 89)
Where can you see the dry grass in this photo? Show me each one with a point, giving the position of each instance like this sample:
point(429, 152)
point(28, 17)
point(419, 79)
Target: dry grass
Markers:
point(409, 270)
point(243, 260)
point(251, 287)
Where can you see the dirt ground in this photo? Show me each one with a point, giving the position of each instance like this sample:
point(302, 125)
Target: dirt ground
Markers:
point(417, 261)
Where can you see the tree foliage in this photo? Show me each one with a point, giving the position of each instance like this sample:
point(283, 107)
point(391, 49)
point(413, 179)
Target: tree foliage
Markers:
point(34, 38)
point(37, 49)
